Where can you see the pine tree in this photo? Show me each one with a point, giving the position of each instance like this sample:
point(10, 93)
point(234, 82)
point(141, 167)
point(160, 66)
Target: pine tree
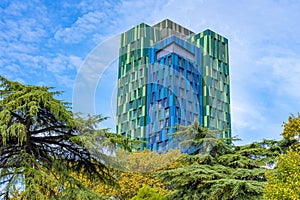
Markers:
point(147, 193)
point(42, 143)
point(218, 169)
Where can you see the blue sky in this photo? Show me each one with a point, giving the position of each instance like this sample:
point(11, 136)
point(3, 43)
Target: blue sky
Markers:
point(50, 42)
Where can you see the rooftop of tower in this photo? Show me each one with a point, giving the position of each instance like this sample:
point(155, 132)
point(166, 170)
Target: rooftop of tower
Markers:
point(167, 23)
point(168, 28)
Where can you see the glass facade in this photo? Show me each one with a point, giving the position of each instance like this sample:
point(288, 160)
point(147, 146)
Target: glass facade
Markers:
point(168, 76)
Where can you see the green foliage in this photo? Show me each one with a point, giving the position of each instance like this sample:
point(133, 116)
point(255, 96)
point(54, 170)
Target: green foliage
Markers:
point(47, 152)
point(221, 170)
point(195, 139)
point(291, 131)
point(42, 145)
point(147, 193)
point(135, 171)
point(284, 180)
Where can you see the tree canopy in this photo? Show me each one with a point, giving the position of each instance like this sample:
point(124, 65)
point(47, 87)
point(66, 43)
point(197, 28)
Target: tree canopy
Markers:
point(48, 152)
point(137, 171)
point(221, 170)
point(40, 145)
point(291, 131)
point(284, 179)
point(147, 193)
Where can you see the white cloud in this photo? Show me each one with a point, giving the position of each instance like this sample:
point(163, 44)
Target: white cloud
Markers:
point(75, 61)
point(25, 30)
point(81, 29)
point(284, 75)
point(246, 118)
point(15, 9)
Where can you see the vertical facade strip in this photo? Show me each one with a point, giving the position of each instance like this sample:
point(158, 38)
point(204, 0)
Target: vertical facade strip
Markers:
point(167, 76)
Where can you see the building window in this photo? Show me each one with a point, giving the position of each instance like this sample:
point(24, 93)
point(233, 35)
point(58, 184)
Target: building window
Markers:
point(169, 90)
point(167, 122)
point(181, 70)
point(165, 102)
point(151, 68)
point(156, 136)
point(159, 104)
point(178, 112)
point(182, 82)
point(141, 72)
point(125, 117)
point(139, 91)
point(188, 94)
point(183, 103)
point(219, 65)
point(134, 93)
point(167, 112)
point(214, 73)
point(196, 117)
point(189, 76)
point(161, 124)
point(151, 129)
point(181, 92)
point(169, 60)
point(159, 146)
point(176, 80)
point(190, 106)
point(191, 66)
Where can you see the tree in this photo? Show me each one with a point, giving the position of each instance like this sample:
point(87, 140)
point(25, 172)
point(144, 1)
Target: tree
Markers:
point(40, 145)
point(147, 193)
point(135, 170)
point(220, 170)
point(284, 180)
point(291, 131)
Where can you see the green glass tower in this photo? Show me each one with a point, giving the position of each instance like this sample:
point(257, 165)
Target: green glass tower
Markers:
point(167, 76)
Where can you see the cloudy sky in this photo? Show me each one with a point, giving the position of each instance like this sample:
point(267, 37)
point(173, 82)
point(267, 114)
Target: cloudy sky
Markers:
point(51, 42)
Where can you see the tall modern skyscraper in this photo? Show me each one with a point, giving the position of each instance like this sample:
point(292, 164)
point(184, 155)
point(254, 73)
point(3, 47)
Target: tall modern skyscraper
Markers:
point(170, 76)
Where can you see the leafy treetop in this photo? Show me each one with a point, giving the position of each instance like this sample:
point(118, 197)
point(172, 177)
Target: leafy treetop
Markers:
point(42, 144)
